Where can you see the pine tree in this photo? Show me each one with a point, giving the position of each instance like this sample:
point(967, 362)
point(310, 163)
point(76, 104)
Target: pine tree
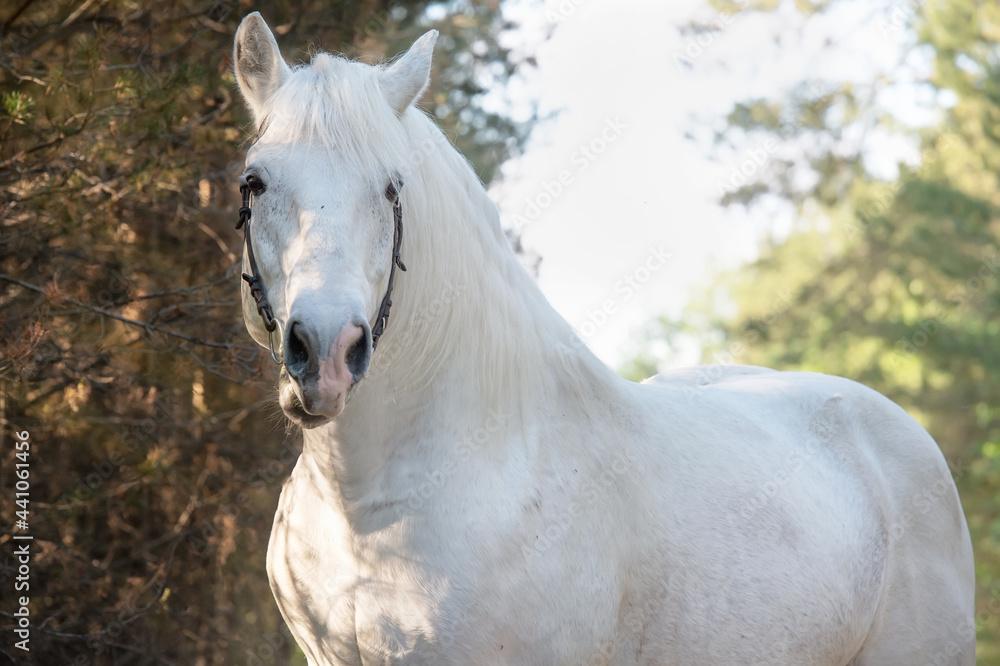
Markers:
point(157, 448)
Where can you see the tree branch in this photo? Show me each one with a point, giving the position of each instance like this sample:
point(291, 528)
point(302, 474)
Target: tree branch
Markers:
point(13, 17)
point(146, 326)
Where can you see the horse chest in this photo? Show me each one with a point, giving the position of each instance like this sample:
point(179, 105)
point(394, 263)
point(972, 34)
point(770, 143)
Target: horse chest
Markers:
point(311, 571)
point(348, 601)
point(353, 608)
point(351, 600)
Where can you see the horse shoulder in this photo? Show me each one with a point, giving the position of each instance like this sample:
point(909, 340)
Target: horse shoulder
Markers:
point(313, 572)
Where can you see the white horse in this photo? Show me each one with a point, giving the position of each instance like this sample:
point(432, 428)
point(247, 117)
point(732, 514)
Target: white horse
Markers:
point(481, 489)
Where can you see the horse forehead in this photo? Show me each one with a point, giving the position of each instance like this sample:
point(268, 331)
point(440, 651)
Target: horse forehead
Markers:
point(282, 154)
point(303, 160)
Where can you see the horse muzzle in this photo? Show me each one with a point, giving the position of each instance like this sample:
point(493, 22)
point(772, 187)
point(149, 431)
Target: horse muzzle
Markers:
point(317, 376)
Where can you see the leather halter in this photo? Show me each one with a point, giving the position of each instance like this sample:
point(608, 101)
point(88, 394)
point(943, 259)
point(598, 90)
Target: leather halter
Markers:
point(257, 284)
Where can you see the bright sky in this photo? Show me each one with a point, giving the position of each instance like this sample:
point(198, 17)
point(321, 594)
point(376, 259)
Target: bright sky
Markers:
point(612, 183)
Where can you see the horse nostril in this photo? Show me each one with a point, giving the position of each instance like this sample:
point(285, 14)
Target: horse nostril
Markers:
point(359, 356)
point(297, 351)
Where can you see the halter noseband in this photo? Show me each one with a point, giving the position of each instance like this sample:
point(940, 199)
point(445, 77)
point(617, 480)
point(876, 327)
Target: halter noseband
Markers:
point(257, 284)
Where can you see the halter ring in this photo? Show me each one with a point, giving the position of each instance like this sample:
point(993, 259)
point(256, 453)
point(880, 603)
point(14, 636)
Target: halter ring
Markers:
point(279, 356)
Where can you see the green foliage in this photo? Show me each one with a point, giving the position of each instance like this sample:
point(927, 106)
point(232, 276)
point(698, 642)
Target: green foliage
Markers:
point(895, 284)
point(157, 449)
point(18, 107)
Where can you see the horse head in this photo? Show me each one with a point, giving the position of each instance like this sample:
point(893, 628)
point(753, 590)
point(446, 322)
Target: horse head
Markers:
point(325, 176)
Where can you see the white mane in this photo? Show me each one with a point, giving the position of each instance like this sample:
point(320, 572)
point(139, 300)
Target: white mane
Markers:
point(462, 275)
point(336, 103)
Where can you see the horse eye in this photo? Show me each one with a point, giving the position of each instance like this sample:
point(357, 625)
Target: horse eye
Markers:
point(255, 184)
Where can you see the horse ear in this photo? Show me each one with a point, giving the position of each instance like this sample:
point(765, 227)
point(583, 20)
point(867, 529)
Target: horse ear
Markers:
point(405, 79)
point(260, 69)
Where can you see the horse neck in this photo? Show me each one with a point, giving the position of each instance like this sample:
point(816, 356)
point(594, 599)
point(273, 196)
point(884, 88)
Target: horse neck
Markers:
point(471, 342)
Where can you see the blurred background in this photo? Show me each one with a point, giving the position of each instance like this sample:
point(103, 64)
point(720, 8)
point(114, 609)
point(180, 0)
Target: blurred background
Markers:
point(802, 185)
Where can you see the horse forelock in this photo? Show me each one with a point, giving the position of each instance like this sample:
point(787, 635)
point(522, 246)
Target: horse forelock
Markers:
point(337, 104)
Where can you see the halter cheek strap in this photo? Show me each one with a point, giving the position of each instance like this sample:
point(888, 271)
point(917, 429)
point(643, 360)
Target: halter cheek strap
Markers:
point(254, 280)
point(256, 284)
point(382, 317)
